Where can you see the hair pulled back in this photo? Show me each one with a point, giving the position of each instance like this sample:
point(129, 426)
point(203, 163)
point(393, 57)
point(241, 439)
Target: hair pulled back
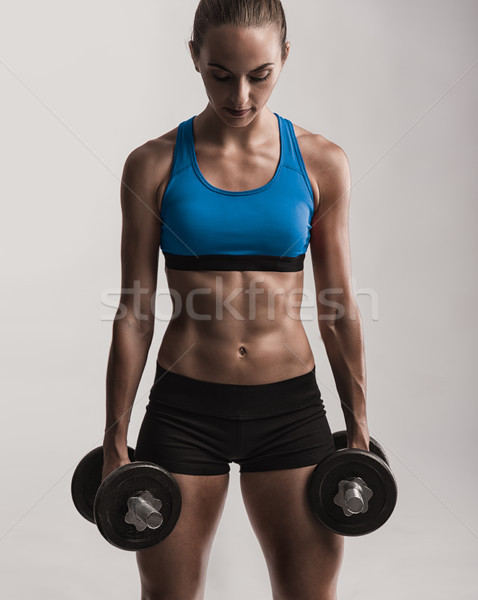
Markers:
point(241, 13)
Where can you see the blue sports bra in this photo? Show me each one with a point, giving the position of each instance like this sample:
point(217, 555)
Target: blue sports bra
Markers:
point(263, 229)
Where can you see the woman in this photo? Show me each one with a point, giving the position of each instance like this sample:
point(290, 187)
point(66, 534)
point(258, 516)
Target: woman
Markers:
point(241, 193)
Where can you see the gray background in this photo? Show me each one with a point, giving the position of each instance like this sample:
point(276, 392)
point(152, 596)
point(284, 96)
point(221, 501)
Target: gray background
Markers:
point(394, 84)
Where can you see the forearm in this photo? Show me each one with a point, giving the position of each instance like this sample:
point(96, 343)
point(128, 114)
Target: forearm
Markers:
point(343, 340)
point(127, 358)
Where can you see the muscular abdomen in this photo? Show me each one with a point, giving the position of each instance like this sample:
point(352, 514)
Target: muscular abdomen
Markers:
point(236, 327)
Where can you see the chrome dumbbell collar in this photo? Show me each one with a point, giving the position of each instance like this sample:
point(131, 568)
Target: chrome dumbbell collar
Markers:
point(353, 496)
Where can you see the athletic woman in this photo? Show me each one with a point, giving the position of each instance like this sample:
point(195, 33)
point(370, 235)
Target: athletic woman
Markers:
point(234, 196)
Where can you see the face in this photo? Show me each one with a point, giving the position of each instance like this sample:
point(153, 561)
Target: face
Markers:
point(240, 68)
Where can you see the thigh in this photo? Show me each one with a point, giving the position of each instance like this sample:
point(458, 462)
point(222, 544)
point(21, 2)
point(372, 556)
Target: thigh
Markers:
point(176, 568)
point(303, 557)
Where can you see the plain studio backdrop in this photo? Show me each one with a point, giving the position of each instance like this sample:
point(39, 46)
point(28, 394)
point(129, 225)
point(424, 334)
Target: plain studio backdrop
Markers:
point(395, 84)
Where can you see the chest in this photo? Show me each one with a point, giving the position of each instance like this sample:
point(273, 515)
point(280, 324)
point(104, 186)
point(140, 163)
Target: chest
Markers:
point(239, 170)
point(272, 220)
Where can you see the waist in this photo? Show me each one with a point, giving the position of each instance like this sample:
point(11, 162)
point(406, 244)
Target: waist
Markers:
point(233, 400)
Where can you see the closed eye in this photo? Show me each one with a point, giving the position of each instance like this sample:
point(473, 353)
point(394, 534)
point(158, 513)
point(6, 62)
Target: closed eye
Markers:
point(252, 78)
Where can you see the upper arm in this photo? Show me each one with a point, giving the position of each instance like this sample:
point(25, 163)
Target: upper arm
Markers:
point(140, 237)
point(329, 236)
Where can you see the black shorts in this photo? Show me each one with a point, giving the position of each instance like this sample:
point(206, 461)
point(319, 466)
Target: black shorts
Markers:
point(198, 427)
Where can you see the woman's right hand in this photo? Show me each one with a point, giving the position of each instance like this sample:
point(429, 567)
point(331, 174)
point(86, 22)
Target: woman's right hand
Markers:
point(110, 464)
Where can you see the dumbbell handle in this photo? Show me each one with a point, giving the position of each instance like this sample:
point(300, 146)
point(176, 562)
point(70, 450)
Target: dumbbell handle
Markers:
point(143, 511)
point(353, 496)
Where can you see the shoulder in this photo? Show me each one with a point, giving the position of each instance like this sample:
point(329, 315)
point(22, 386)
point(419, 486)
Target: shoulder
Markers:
point(326, 162)
point(148, 166)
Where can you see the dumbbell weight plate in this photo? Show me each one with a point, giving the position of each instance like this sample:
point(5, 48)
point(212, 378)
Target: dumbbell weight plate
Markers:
point(86, 481)
point(345, 464)
point(340, 441)
point(110, 506)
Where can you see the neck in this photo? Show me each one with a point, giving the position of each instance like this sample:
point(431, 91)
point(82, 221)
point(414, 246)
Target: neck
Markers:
point(209, 127)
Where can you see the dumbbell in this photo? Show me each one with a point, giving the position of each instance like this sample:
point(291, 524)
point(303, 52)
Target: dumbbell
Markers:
point(135, 507)
point(353, 492)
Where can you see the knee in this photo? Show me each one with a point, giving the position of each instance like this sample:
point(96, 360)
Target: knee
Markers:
point(310, 572)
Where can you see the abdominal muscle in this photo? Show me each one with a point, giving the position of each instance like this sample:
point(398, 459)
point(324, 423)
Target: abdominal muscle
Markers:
point(239, 327)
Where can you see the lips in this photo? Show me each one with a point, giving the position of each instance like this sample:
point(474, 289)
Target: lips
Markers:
point(238, 113)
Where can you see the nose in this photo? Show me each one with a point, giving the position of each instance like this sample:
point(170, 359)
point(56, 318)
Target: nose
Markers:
point(240, 93)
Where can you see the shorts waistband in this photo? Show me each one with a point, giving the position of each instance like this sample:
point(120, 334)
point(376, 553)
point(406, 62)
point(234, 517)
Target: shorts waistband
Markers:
point(234, 400)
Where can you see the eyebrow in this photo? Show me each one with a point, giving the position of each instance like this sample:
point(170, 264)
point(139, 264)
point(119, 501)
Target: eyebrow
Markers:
point(253, 70)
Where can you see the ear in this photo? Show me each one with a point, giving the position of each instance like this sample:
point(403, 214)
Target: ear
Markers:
point(193, 56)
point(287, 48)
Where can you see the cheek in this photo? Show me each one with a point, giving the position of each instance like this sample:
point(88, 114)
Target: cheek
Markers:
point(266, 89)
point(214, 88)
